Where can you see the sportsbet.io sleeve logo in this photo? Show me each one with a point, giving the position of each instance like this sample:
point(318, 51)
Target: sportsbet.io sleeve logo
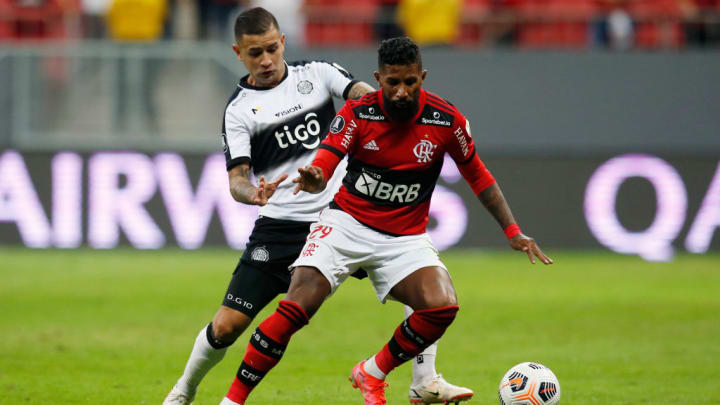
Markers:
point(337, 124)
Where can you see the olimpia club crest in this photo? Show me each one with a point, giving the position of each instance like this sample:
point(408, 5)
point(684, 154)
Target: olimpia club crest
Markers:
point(304, 87)
point(260, 254)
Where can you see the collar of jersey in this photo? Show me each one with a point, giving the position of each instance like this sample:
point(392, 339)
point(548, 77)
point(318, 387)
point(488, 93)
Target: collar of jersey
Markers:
point(421, 106)
point(244, 81)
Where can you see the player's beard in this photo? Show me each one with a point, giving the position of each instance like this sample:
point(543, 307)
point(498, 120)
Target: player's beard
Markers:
point(404, 112)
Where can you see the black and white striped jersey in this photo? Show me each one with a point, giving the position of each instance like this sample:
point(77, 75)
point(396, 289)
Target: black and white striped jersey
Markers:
point(279, 129)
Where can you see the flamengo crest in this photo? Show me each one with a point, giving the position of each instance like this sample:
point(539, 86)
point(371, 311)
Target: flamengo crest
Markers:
point(424, 151)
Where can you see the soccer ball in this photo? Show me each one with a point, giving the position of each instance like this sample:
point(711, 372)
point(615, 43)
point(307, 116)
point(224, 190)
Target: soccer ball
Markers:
point(529, 384)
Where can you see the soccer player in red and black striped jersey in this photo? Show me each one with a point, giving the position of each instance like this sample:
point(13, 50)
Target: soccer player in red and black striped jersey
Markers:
point(396, 139)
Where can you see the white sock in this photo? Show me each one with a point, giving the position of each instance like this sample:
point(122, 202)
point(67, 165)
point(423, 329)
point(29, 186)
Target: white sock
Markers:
point(423, 365)
point(228, 401)
point(202, 358)
point(372, 368)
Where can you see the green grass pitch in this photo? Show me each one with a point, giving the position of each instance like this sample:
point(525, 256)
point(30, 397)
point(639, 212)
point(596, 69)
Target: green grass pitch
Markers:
point(115, 327)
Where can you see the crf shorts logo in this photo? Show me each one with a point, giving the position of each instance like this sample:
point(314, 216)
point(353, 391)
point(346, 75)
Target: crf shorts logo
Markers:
point(516, 381)
point(424, 151)
point(310, 249)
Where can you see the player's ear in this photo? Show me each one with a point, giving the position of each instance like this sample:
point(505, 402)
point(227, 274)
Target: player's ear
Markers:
point(423, 74)
point(282, 39)
point(236, 48)
point(377, 77)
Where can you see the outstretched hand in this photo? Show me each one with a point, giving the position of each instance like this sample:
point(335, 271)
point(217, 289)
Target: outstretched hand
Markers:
point(265, 190)
point(527, 244)
point(311, 180)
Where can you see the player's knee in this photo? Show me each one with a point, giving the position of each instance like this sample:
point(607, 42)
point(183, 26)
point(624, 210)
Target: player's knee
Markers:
point(442, 296)
point(227, 328)
point(224, 331)
point(441, 299)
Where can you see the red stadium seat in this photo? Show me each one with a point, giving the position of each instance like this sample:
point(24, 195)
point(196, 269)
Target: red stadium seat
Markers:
point(657, 23)
point(471, 23)
point(33, 22)
point(340, 23)
point(555, 23)
point(6, 30)
point(542, 23)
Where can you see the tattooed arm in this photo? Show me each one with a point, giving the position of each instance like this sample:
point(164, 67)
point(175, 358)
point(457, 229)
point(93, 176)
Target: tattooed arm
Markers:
point(494, 201)
point(242, 190)
point(359, 89)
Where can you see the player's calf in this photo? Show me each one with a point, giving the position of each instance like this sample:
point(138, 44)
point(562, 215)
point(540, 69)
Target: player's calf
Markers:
point(417, 332)
point(266, 348)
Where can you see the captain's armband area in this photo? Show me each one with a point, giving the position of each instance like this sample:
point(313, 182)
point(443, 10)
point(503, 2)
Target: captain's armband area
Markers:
point(358, 90)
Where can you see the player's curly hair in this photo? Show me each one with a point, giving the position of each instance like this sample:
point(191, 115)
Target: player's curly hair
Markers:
point(399, 51)
point(255, 21)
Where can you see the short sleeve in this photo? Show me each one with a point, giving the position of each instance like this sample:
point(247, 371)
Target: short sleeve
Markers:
point(336, 78)
point(235, 140)
point(461, 147)
point(462, 150)
point(342, 133)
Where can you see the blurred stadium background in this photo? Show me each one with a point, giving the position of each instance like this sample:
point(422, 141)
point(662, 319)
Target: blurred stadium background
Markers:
point(600, 118)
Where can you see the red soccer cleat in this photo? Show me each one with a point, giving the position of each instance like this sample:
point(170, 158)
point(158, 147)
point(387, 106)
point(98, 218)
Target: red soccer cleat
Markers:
point(372, 389)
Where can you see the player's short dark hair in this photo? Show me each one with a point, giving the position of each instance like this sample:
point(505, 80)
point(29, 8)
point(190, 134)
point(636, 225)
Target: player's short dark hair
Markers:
point(399, 51)
point(254, 21)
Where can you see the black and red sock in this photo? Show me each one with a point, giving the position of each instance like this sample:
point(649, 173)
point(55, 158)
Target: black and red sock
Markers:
point(417, 332)
point(266, 348)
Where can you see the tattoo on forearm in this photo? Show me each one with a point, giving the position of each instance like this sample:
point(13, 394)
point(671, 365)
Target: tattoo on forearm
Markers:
point(241, 189)
point(359, 89)
point(494, 201)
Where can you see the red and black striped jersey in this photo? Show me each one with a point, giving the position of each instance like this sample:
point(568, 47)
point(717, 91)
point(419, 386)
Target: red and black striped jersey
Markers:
point(393, 166)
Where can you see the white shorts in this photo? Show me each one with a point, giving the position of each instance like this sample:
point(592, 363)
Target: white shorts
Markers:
point(338, 245)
